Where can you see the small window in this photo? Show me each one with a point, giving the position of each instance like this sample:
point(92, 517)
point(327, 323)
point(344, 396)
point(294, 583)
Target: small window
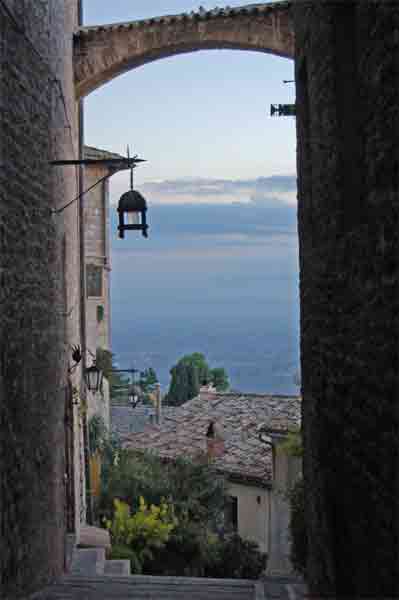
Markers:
point(94, 281)
point(100, 313)
point(231, 514)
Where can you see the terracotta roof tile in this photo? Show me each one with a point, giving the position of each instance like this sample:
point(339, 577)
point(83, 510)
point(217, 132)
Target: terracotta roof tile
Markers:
point(237, 417)
point(97, 154)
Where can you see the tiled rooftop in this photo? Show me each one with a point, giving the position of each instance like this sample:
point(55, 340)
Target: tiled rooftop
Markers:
point(125, 419)
point(237, 417)
point(92, 153)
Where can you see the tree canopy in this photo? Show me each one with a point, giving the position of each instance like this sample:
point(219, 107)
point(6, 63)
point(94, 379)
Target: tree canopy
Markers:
point(190, 372)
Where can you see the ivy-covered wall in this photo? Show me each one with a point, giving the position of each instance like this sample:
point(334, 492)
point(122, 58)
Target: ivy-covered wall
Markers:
point(347, 57)
point(39, 285)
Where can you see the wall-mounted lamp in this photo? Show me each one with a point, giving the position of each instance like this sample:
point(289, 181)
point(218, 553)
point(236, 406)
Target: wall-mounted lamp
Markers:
point(134, 395)
point(135, 392)
point(93, 378)
point(132, 205)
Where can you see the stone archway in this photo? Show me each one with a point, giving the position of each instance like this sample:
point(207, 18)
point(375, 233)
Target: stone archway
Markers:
point(104, 52)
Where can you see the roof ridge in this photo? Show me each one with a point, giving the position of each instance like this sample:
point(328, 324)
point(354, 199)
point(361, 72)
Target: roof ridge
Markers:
point(87, 149)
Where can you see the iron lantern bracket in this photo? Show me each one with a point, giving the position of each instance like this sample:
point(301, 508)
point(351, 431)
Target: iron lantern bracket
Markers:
point(114, 165)
point(283, 110)
point(117, 164)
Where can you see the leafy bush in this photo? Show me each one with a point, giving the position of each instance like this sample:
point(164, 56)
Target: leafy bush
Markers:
point(195, 498)
point(297, 527)
point(146, 530)
point(120, 552)
point(186, 553)
point(293, 444)
point(195, 491)
point(236, 558)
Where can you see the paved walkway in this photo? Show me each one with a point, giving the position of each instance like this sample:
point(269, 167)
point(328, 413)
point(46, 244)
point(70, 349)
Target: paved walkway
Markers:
point(143, 587)
point(283, 588)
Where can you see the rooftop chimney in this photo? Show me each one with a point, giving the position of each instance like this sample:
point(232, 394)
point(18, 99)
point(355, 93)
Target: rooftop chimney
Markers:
point(207, 391)
point(214, 442)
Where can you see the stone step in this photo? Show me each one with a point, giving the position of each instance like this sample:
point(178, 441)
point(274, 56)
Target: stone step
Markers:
point(88, 562)
point(144, 587)
point(94, 537)
point(117, 568)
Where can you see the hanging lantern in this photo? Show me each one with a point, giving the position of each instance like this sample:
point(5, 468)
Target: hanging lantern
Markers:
point(94, 378)
point(132, 211)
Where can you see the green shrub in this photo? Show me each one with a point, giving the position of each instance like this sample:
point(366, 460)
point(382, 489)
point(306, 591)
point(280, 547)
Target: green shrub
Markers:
point(145, 531)
point(298, 553)
point(195, 490)
point(198, 497)
point(236, 558)
point(120, 552)
point(186, 553)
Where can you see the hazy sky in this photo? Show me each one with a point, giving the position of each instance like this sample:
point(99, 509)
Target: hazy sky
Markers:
point(219, 271)
point(203, 114)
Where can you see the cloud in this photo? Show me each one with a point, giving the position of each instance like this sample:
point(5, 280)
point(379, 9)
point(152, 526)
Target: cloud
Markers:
point(259, 222)
point(278, 189)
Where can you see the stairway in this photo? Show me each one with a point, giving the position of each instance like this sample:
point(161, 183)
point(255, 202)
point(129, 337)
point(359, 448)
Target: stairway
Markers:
point(93, 577)
point(143, 587)
point(91, 562)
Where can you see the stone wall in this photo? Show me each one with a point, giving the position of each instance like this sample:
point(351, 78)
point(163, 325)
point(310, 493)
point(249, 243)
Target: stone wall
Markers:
point(348, 179)
point(39, 285)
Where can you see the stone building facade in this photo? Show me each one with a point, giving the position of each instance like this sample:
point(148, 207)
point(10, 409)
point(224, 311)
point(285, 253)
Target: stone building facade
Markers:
point(97, 251)
point(347, 57)
point(40, 316)
point(97, 261)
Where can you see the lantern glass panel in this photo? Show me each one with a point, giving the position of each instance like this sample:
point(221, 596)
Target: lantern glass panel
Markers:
point(133, 400)
point(94, 378)
point(133, 218)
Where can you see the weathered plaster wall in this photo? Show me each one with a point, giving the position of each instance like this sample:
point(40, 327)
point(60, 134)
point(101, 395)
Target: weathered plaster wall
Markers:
point(98, 272)
point(348, 169)
point(286, 470)
point(253, 513)
point(38, 122)
point(97, 254)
